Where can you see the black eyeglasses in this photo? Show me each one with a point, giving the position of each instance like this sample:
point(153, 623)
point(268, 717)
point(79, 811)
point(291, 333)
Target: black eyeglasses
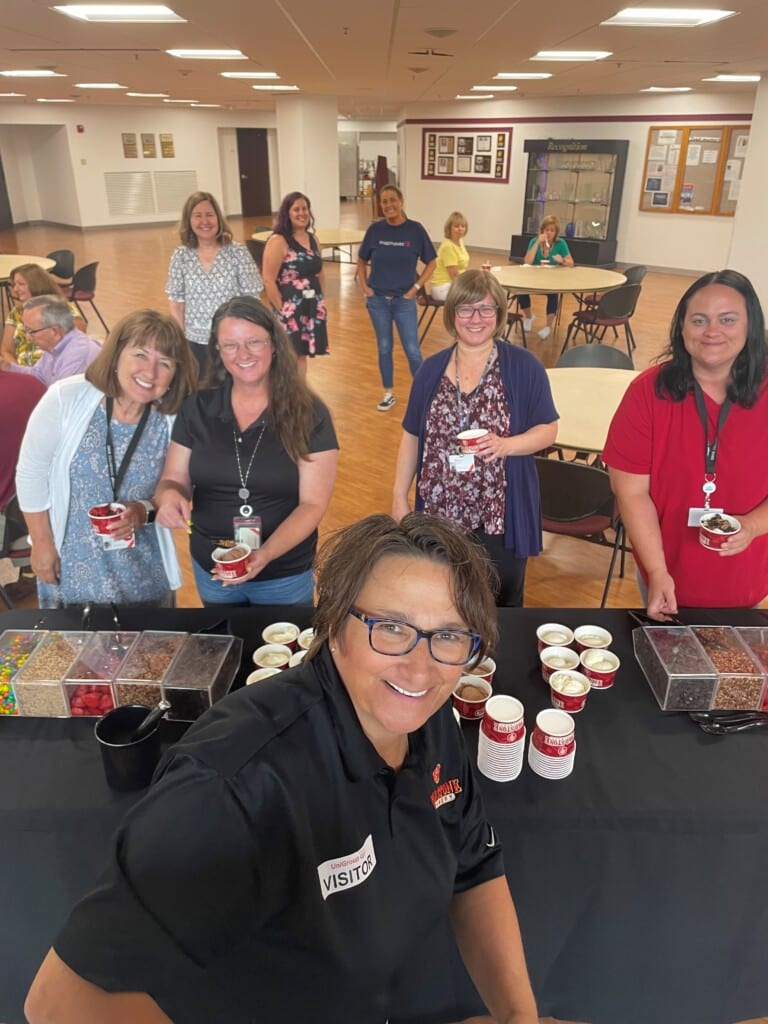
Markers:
point(30, 332)
point(394, 638)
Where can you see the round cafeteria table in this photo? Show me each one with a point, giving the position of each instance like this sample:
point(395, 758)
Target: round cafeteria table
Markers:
point(10, 260)
point(328, 238)
point(586, 397)
point(545, 279)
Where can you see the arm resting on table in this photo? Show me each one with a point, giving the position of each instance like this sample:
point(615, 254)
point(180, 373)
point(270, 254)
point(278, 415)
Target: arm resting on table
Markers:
point(641, 521)
point(488, 936)
point(59, 996)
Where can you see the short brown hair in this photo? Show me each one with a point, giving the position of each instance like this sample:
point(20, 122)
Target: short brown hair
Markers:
point(472, 286)
point(551, 221)
point(187, 235)
point(38, 281)
point(454, 218)
point(349, 556)
point(150, 329)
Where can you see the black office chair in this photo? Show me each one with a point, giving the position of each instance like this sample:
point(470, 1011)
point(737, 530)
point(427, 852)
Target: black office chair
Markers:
point(615, 309)
point(515, 319)
point(577, 501)
point(430, 306)
point(633, 275)
point(256, 249)
point(14, 542)
point(83, 289)
point(596, 355)
point(64, 266)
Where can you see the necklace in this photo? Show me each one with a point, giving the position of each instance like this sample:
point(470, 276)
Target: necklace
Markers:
point(244, 494)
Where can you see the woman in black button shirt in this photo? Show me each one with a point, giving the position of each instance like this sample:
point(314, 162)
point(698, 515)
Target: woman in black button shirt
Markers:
point(310, 831)
point(254, 451)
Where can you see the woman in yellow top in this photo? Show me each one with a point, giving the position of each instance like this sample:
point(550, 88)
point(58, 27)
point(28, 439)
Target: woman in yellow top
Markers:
point(452, 256)
point(27, 281)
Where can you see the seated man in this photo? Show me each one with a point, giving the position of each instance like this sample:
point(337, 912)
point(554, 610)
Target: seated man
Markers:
point(66, 350)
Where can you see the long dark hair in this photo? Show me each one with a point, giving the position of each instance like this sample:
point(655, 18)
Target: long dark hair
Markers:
point(291, 409)
point(675, 379)
point(283, 224)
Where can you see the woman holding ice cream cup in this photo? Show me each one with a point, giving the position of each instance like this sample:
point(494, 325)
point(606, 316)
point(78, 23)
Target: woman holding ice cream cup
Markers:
point(477, 413)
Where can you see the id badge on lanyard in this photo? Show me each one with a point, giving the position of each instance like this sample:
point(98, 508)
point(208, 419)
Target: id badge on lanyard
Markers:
point(709, 486)
point(247, 530)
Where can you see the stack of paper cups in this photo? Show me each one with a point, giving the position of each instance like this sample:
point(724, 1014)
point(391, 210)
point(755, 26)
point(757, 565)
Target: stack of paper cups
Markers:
point(552, 748)
point(501, 742)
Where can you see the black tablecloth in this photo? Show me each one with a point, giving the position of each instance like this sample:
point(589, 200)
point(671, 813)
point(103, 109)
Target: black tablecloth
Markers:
point(638, 880)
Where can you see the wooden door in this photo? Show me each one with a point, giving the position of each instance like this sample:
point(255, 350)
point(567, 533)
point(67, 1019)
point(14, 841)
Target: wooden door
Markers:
point(253, 161)
point(6, 220)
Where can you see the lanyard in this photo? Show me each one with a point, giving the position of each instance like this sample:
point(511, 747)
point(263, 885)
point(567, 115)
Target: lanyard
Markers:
point(459, 403)
point(244, 494)
point(116, 473)
point(710, 447)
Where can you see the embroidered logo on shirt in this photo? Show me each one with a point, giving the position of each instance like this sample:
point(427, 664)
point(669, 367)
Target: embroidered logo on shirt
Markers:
point(445, 792)
point(436, 773)
point(345, 872)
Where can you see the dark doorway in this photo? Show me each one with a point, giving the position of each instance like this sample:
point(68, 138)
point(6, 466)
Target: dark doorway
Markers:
point(6, 220)
point(253, 161)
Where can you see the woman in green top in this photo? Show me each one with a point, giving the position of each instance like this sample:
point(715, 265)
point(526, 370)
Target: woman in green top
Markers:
point(452, 256)
point(548, 249)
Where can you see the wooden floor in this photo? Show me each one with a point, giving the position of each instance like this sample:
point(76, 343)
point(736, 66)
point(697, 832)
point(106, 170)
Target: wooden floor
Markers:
point(133, 264)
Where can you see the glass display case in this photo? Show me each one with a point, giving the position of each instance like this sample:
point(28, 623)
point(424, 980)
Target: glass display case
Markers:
point(579, 182)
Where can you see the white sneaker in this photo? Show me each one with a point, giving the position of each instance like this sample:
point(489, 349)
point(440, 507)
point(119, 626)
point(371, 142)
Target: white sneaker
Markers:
point(387, 402)
point(528, 323)
point(544, 333)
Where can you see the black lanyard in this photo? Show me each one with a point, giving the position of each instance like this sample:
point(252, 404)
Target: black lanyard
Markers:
point(116, 473)
point(459, 404)
point(710, 447)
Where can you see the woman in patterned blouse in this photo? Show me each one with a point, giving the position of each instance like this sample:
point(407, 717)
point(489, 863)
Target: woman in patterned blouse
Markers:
point(481, 383)
point(206, 270)
point(27, 281)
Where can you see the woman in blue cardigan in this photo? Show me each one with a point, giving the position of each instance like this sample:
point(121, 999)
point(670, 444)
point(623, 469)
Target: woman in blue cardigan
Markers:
point(480, 382)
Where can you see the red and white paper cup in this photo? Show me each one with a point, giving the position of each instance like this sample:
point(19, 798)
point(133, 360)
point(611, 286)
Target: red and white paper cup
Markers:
point(553, 634)
point(552, 747)
point(485, 670)
point(306, 636)
point(232, 563)
point(568, 691)
point(272, 656)
point(103, 516)
point(600, 667)
point(281, 633)
point(470, 696)
point(557, 659)
point(503, 720)
point(591, 638)
point(501, 740)
point(470, 439)
point(716, 528)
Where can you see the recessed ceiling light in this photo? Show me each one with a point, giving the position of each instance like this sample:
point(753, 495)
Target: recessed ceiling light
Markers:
point(276, 88)
point(197, 106)
point(8, 95)
point(39, 100)
point(572, 55)
point(208, 54)
point(149, 95)
point(496, 88)
point(32, 73)
point(477, 97)
point(135, 13)
point(181, 101)
point(667, 88)
point(666, 17)
point(99, 85)
point(249, 74)
point(523, 75)
point(733, 78)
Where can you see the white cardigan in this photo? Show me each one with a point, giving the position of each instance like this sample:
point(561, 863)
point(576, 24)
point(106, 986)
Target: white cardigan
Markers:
point(54, 431)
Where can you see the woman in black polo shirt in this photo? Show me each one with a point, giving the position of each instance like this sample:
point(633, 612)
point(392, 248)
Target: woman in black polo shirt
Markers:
point(253, 458)
point(308, 834)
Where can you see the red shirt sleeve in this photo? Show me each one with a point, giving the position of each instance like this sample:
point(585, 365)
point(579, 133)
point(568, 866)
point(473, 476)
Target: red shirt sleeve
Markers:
point(629, 446)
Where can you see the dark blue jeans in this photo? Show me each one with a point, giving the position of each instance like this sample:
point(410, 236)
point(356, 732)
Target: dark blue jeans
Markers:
point(384, 311)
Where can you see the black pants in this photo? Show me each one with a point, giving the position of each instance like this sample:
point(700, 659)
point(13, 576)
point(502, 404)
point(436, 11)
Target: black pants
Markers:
point(200, 352)
point(511, 570)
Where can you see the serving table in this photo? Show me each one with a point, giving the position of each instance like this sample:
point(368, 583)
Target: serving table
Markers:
point(339, 240)
point(586, 397)
point(638, 880)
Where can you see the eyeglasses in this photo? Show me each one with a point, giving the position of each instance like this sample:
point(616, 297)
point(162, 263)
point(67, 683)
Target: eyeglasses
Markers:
point(467, 312)
point(31, 332)
point(395, 638)
point(230, 348)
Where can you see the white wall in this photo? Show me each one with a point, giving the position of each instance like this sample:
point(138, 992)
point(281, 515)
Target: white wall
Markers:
point(683, 242)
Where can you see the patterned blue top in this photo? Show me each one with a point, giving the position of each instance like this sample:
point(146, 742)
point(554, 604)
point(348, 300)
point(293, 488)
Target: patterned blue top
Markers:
point(128, 576)
point(202, 291)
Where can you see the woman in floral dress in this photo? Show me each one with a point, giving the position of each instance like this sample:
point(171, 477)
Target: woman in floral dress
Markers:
point(293, 278)
point(481, 382)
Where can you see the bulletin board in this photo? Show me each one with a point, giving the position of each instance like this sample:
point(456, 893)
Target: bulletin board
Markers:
point(469, 153)
point(694, 169)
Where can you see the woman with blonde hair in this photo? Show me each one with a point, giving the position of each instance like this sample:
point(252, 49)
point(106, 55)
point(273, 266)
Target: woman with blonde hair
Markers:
point(452, 256)
point(205, 270)
point(548, 249)
point(28, 281)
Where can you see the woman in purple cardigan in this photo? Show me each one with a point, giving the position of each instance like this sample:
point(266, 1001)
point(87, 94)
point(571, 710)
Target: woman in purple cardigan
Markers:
point(480, 382)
